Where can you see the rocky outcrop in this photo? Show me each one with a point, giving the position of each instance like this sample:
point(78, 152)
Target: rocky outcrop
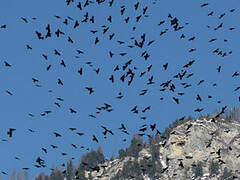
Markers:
point(197, 149)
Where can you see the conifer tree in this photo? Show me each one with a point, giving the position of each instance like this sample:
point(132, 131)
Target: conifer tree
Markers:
point(70, 170)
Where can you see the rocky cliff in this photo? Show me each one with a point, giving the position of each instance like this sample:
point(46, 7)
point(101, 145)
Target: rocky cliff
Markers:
point(197, 149)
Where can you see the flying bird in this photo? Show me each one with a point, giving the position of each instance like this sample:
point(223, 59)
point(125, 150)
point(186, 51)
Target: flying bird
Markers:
point(10, 132)
point(95, 138)
point(57, 134)
point(72, 110)
point(90, 90)
point(176, 100)
point(60, 82)
point(7, 64)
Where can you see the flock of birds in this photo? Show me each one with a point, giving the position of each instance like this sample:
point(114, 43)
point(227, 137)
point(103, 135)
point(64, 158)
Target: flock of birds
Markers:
point(129, 72)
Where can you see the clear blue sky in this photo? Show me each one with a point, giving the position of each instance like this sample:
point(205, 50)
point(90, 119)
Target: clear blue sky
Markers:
point(27, 64)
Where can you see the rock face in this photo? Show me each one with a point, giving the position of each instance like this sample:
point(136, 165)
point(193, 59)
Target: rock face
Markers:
point(197, 149)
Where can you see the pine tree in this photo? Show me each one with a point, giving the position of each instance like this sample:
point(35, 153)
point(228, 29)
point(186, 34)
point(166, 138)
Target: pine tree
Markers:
point(232, 114)
point(135, 146)
point(121, 153)
point(19, 176)
point(94, 157)
point(70, 170)
point(13, 175)
point(56, 175)
point(25, 175)
point(41, 176)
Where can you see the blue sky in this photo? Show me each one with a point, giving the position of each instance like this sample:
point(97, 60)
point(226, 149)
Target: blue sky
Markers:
point(167, 48)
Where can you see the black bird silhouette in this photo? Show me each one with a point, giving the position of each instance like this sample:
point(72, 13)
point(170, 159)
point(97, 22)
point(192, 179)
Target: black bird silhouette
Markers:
point(53, 146)
point(57, 134)
point(111, 78)
point(219, 26)
point(60, 82)
point(143, 129)
point(122, 127)
point(48, 31)
point(161, 22)
point(214, 39)
point(10, 132)
point(92, 19)
point(39, 35)
point(122, 10)
point(65, 21)
point(198, 109)
point(93, 31)
point(80, 71)
point(107, 130)
point(76, 24)
point(235, 74)
point(56, 52)
point(90, 90)
point(60, 99)
point(63, 63)
point(58, 32)
point(199, 98)
point(7, 64)
point(4, 173)
point(29, 47)
point(56, 16)
point(97, 70)
point(176, 100)
point(80, 134)
point(70, 40)
point(72, 110)
point(191, 39)
point(111, 36)
point(126, 19)
point(95, 138)
point(136, 5)
point(221, 16)
point(45, 56)
point(9, 92)
point(237, 88)
point(96, 40)
point(189, 64)
point(109, 19)
point(111, 54)
point(147, 108)
point(75, 146)
point(35, 80)
point(138, 18)
point(152, 126)
point(44, 150)
point(4, 26)
point(31, 130)
point(204, 4)
point(143, 92)
point(48, 67)
point(111, 3)
point(210, 14)
point(105, 30)
point(121, 42)
point(72, 129)
point(145, 10)
point(79, 5)
point(149, 68)
point(150, 80)
point(40, 161)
